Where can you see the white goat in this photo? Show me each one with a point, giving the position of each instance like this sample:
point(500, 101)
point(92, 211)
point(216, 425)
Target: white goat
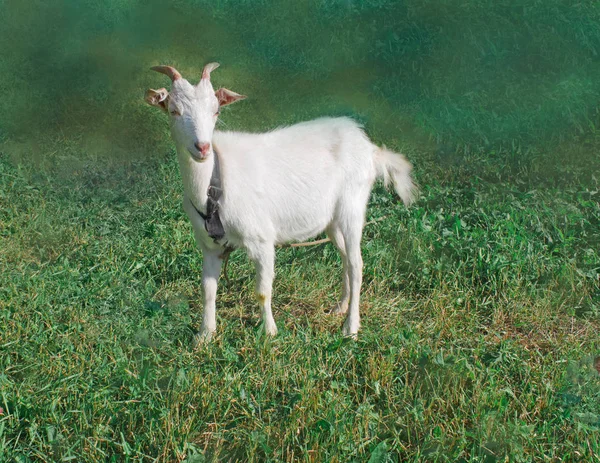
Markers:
point(285, 185)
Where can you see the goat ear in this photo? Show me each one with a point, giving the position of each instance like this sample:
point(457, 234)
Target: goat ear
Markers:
point(157, 98)
point(226, 96)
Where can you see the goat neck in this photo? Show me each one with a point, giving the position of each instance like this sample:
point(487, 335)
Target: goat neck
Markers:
point(196, 177)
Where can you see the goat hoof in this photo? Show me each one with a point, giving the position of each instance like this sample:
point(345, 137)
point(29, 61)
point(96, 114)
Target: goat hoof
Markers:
point(202, 337)
point(350, 329)
point(341, 308)
point(270, 329)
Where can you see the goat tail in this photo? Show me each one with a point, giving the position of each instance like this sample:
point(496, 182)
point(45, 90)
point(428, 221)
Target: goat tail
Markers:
point(394, 167)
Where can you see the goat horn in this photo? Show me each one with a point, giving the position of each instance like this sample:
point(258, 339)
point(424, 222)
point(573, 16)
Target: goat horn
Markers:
point(208, 69)
point(167, 70)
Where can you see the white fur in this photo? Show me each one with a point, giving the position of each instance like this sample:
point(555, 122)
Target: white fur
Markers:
point(289, 184)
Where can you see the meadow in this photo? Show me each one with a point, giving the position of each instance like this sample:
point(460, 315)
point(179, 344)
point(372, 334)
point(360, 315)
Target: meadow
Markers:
point(480, 303)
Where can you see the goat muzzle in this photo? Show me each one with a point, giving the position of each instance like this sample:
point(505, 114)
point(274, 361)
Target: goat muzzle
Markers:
point(203, 148)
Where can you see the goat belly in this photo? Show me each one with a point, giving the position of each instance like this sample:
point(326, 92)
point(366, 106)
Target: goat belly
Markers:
point(301, 232)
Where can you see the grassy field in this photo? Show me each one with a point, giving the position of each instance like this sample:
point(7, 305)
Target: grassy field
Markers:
point(480, 304)
point(479, 341)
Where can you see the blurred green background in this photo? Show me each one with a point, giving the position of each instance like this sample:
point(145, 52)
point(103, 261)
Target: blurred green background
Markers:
point(475, 73)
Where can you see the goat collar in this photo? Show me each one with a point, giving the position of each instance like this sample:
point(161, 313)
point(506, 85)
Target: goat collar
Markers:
point(212, 221)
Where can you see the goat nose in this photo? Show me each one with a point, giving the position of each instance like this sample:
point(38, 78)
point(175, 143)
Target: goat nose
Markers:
point(202, 147)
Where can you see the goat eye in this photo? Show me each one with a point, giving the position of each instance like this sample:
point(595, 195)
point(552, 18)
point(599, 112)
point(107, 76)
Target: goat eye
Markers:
point(175, 113)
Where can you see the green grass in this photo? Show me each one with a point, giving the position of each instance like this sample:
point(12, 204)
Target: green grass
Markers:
point(481, 303)
point(480, 323)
